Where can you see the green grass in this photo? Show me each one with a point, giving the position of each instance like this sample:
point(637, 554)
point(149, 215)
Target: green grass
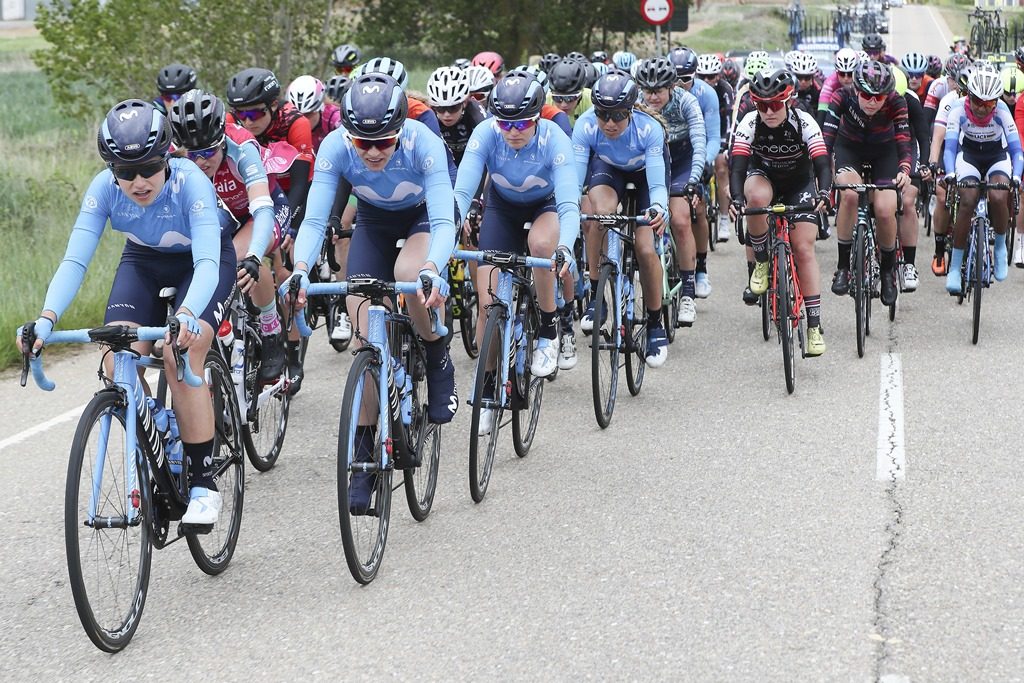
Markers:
point(728, 27)
point(46, 166)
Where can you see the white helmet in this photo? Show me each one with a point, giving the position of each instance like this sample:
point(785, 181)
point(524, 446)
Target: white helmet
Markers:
point(804, 64)
point(709, 65)
point(789, 57)
point(863, 56)
point(447, 87)
point(846, 60)
point(985, 84)
point(306, 93)
point(479, 78)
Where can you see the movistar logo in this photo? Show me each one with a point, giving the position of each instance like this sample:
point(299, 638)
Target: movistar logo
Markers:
point(371, 89)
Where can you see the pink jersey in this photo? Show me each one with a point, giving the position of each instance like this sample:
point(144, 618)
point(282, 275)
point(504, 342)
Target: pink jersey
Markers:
point(330, 119)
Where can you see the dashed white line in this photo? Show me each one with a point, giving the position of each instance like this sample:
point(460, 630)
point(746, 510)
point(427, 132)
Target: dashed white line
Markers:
point(41, 427)
point(891, 460)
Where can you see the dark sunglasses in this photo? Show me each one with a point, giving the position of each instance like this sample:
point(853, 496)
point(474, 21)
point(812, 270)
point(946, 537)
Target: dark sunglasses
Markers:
point(565, 99)
point(366, 144)
point(343, 70)
point(765, 106)
point(982, 104)
point(525, 124)
point(805, 78)
point(172, 96)
point(615, 115)
point(449, 110)
point(128, 172)
point(250, 114)
point(478, 96)
point(207, 153)
point(845, 74)
point(880, 97)
point(685, 79)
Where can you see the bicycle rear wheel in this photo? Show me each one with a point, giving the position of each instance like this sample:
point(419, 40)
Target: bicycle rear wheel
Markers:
point(263, 434)
point(364, 533)
point(979, 237)
point(635, 332)
point(469, 313)
point(670, 300)
point(861, 286)
point(481, 460)
point(783, 312)
point(421, 482)
point(605, 342)
point(212, 550)
point(109, 561)
point(528, 391)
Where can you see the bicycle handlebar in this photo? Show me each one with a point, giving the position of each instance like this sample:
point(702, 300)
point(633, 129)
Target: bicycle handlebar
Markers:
point(505, 259)
point(777, 209)
point(614, 218)
point(368, 285)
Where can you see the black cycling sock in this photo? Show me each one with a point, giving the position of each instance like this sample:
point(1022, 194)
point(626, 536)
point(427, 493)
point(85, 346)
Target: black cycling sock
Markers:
point(888, 260)
point(653, 319)
point(200, 464)
point(940, 245)
point(909, 254)
point(759, 245)
point(689, 283)
point(436, 351)
point(812, 304)
point(845, 247)
point(566, 312)
point(702, 262)
point(593, 287)
point(547, 325)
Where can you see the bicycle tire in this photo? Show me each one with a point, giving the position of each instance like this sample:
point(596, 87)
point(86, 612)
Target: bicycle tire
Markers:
point(635, 332)
point(1011, 238)
point(469, 310)
point(783, 310)
point(263, 452)
point(605, 343)
point(528, 391)
point(482, 463)
point(363, 536)
point(670, 301)
point(766, 316)
point(899, 278)
point(106, 408)
point(859, 281)
point(980, 239)
point(229, 472)
point(425, 436)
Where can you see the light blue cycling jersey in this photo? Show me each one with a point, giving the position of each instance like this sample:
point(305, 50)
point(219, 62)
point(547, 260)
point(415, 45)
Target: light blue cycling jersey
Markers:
point(183, 218)
point(999, 134)
point(416, 172)
point(709, 106)
point(685, 122)
point(641, 145)
point(526, 176)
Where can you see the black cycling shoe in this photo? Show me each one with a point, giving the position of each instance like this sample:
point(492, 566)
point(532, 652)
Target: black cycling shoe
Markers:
point(294, 369)
point(841, 282)
point(272, 358)
point(442, 394)
point(749, 298)
point(889, 288)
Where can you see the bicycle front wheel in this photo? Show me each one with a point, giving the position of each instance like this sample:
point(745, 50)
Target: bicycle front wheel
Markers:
point(606, 338)
point(421, 482)
point(212, 550)
point(469, 313)
point(266, 418)
point(783, 314)
point(635, 337)
point(528, 391)
point(670, 297)
point(861, 286)
point(106, 526)
point(766, 316)
point(980, 249)
point(481, 460)
point(364, 487)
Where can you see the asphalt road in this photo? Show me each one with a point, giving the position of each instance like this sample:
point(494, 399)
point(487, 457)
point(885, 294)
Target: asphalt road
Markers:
point(720, 529)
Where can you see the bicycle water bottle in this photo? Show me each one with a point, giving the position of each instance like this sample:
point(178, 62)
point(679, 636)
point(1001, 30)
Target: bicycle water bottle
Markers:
point(167, 425)
point(520, 345)
point(238, 362)
point(404, 384)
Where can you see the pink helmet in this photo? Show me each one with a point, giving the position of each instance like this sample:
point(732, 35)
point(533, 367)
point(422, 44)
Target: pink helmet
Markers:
point(492, 60)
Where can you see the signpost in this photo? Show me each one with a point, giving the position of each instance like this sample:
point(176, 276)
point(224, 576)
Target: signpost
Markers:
point(656, 13)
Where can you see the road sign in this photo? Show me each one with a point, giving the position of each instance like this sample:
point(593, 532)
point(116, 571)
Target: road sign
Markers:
point(656, 12)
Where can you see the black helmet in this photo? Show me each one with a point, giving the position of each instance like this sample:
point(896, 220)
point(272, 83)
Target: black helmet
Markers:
point(655, 73)
point(772, 85)
point(253, 86)
point(934, 66)
point(873, 78)
point(577, 56)
point(614, 90)
point(567, 77)
point(176, 79)
point(955, 63)
point(375, 106)
point(548, 61)
point(133, 132)
point(685, 61)
point(517, 96)
point(599, 56)
point(872, 42)
point(337, 87)
point(197, 120)
point(345, 56)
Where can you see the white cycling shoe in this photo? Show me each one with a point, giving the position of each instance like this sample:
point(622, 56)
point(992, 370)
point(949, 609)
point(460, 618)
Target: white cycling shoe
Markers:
point(342, 327)
point(203, 507)
point(545, 358)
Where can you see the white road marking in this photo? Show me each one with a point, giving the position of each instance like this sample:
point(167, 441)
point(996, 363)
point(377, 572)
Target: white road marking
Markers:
point(947, 38)
point(41, 427)
point(891, 453)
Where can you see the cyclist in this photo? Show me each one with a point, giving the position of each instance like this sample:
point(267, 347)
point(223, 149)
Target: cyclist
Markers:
point(939, 87)
point(568, 92)
point(549, 60)
point(846, 63)
point(492, 61)
point(874, 47)
point(613, 145)
point(1013, 85)
point(686, 139)
point(336, 88)
point(920, 152)
point(804, 67)
point(533, 179)
point(709, 70)
point(623, 59)
point(168, 210)
point(480, 80)
point(730, 72)
point(779, 156)
point(345, 58)
point(600, 57)
point(935, 65)
point(173, 81)
point(231, 158)
point(981, 142)
point(448, 96)
point(307, 95)
point(915, 65)
point(862, 126)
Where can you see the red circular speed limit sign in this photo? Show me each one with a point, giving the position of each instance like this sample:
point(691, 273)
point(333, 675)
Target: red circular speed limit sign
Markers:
point(656, 12)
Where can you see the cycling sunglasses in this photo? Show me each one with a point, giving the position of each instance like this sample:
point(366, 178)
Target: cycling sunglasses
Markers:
point(565, 99)
point(615, 115)
point(880, 97)
point(172, 96)
point(127, 172)
point(525, 124)
point(686, 79)
point(449, 110)
point(366, 144)
point(982, 104)
point(765, 106)
point(250, 114)
point(208, 153)
point(845, 74)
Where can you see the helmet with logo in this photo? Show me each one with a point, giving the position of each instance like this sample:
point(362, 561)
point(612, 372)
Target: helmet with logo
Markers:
point(386, 66)
point(492, 60)
point(567, 77)
point(133, 132)
point(772, 85)
point(914, 63)
point(253, 86)
point(847, 60)
point(624, 59)
point(375, 106)
point(656, 73)
point(873, 78)
point(345, 56)
point(306, 93)
point(614, 90)
point(517, 96)
point(685, 61)
point(447, 87)
point(337, 86)
point(197, 120)
point(176, 79)
point(709, 65)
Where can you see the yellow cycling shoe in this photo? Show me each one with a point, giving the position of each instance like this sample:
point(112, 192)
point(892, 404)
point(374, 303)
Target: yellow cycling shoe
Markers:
point(815, 341)
point(759, 278)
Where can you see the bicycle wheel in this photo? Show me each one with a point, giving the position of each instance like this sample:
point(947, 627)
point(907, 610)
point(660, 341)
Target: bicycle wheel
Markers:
point(421, 482)
point(266, 418)
point(528, 391)
point(108, 564)
point(365, 532)
point(783, 311)
point(605, 343)
point(899, 279)
point(635, 332)
point(979, 251)
point(859, 280)
point(670, 300)
point(766, 316)
point(212, 551)
point(469, 312)
point(1011, 236)
point(481, 461)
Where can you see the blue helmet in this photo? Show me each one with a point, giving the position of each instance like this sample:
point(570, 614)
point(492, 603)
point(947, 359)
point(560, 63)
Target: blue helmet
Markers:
point(133, 132)
point(685, 60)
point(624, 60)
point(517, 96)
point(375, 106)
point(615, 90)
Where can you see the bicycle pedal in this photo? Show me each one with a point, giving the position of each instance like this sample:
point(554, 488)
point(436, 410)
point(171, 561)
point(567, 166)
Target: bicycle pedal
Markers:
point(679, 324)
point(199, 529)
